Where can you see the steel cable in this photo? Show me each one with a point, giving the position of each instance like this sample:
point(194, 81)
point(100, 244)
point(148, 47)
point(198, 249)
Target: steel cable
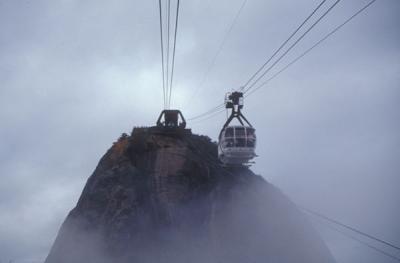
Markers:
point(173, 52)
point(219, 50)
point(313, 46)
point(336, 222)
point(283, 44)
point(162, 51)
point(292, 46)
point(168, 40)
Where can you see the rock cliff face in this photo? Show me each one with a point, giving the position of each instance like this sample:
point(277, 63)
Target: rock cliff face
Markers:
point(164, 198)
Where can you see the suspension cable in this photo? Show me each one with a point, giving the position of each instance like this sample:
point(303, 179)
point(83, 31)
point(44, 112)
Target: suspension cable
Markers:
point(283, 44)
point(363, 242)
point(219, 50)
point(292, 46)
point(336, 222)
point(173, 52)
point(313, 46)
point(216, 113)
point(215, 109)
point(162, 52)
point(168, 40)
point(211, 111)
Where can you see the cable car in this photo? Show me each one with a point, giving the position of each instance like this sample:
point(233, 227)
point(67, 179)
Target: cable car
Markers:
point(237, 143)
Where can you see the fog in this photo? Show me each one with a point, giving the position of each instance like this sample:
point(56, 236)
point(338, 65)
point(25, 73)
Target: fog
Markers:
point(128, 214)
point(75, 75)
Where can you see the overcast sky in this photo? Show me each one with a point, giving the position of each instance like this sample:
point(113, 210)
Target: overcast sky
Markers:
point(76, 74)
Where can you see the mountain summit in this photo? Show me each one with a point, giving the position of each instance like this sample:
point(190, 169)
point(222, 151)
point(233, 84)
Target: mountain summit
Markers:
point(157, 197)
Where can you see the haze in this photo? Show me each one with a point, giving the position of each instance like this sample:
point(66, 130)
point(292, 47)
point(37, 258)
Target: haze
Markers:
point(76, 74)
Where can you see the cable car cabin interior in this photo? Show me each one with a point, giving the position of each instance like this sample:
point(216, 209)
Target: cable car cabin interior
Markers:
point(237, 145)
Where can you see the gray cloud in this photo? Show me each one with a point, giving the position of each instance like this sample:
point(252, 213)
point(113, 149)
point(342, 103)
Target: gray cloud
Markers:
point(75, 75)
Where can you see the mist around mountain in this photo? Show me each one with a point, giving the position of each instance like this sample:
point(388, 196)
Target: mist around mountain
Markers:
point(165, 198)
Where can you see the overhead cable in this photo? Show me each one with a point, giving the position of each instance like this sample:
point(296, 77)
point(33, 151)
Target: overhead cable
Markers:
point(219, 50)
point(211, 111)
point(162, 52)
point(292, 46)
point(336, 222)
point(173, 52)
point(168, 40)
point(366, 244)
point(313, 46)
point(283, 44)
point(361, 241)
point(207, 117)
point(214, 109)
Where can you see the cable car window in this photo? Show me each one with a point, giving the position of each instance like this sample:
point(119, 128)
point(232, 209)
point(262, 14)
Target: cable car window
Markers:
point(240, 142)
point(229, 143)
point(240, 132)
point(250, 142)
point(250, 131)
point(229, 132)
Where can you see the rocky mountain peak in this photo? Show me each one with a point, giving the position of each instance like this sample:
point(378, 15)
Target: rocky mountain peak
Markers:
point(164, 197)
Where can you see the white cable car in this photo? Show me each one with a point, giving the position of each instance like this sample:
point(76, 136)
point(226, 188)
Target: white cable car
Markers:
point(237, 143)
